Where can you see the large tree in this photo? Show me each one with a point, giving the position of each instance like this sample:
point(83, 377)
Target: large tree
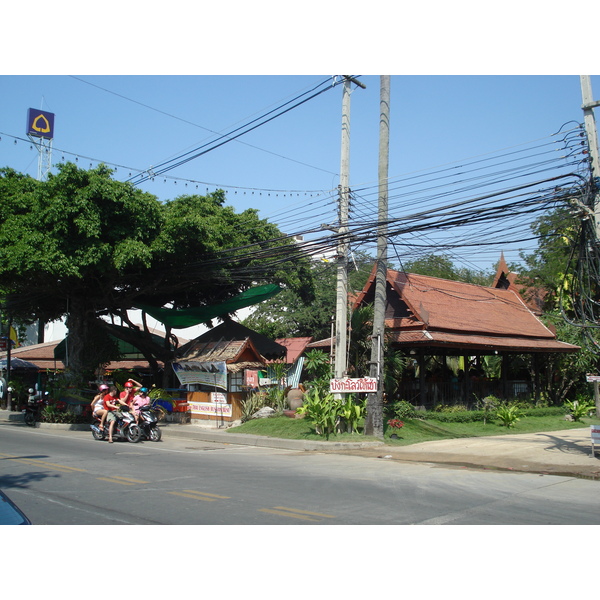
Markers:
point(83, 245)
point(289, 314)
point(440, 265)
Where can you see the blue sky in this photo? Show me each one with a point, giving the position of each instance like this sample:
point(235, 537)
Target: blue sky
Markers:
point(134, 88)
point(287, 168)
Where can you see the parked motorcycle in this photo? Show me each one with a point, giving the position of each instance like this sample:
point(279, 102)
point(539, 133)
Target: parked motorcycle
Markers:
point(148, 423)
point(125, 428)
point(33, 410)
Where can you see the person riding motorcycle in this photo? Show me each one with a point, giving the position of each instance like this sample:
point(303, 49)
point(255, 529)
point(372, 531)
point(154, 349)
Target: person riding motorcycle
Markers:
point(112, 403)
point(139, 400)
point(97, 404)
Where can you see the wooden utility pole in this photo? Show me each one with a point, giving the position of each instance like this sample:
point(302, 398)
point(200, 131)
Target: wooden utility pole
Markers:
point(374, 419)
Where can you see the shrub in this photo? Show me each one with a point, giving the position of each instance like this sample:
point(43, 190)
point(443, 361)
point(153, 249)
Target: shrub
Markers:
point(251, 404)
point(463, 416)
point(55, 414)
point(351, 411)
point(322, 410)
point(579, 408)
point(401, 410)
point(450, 408)
point(508, 415)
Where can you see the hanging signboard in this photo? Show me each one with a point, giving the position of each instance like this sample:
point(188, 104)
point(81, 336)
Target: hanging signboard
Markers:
point(213, 374)
point(348, 385)
point(40, 123)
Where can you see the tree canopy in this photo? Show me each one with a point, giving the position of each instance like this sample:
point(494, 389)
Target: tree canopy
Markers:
point(288, 314)
point(83, 245)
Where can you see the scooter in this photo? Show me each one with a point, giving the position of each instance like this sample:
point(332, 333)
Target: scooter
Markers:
point(125, 428)
point(148, 423)
point(33, 410)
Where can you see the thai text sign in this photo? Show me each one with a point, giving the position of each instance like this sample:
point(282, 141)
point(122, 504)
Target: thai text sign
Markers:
point(591, 378)
point(595, 431)
point(348, 385)
point(210, 408)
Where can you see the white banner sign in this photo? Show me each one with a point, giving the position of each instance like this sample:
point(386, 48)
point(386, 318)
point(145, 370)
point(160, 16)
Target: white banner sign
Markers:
point(591, 378)
point(348, 385)
point(210, 408)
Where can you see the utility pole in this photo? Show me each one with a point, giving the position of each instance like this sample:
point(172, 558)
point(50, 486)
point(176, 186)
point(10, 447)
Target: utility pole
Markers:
point(590, 129)
point(341, 310)
point(374, 418)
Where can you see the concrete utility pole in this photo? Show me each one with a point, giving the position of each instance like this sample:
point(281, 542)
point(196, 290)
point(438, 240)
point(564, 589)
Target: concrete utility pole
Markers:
point(374, 419)
point(341, 310)
point(590, 129)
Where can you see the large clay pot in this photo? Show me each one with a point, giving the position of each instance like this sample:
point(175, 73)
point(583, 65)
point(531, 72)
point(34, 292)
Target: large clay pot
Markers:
point(295, 398)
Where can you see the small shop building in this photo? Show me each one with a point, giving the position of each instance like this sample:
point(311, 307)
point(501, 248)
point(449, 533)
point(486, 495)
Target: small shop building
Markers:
point(221, 367)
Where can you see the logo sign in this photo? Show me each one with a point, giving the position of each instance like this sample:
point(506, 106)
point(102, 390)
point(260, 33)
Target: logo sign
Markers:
point(40, 123)
point(348, 385)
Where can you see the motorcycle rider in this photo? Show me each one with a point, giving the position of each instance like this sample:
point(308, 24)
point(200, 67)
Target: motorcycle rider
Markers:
point(97, 404)
point(139, 400)
point(112, 402)
point(129, 392)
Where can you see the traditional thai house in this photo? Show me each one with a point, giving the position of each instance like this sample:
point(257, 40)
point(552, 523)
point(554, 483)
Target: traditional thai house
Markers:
point(431, 319)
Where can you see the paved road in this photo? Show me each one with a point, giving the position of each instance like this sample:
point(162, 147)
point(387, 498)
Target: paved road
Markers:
point(65, 477)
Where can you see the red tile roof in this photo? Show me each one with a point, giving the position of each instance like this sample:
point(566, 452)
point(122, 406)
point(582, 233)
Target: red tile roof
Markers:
point(428, 311)
point(294, 346)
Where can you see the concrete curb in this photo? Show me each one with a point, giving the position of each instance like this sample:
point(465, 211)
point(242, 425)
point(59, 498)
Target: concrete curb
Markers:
point(205, 434)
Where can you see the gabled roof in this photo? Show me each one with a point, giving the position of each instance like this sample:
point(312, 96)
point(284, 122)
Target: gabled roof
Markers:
point(233, 331)
point(294, 346)
point(429, 311)
point(509, 280)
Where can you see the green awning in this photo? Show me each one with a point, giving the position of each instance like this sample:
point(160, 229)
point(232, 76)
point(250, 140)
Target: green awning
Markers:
point(188, 317)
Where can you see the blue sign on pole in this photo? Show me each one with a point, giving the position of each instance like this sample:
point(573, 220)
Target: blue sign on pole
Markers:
point(40, 123)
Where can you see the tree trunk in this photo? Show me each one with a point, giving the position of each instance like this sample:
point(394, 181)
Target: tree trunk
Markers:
point(77, 325)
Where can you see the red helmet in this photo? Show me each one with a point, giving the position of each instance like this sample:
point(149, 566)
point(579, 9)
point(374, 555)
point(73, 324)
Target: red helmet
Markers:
point(128, 384)
point(103, 387)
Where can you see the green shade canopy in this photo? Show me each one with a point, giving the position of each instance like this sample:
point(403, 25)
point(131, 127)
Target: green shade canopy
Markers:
point(188, 317)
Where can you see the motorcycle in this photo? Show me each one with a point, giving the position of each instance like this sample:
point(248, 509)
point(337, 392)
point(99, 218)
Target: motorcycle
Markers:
point(125, 428)
point(33, 410)
point(148, 422)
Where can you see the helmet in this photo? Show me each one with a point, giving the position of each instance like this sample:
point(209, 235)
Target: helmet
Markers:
point(144, 390)
point(103, 387)
point(128, 384)
point(30, 390)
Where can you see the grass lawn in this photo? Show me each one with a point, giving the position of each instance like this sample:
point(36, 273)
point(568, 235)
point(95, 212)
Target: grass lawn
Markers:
point(413, 432)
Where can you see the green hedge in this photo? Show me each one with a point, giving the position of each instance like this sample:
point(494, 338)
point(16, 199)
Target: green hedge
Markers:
point(470, 416)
